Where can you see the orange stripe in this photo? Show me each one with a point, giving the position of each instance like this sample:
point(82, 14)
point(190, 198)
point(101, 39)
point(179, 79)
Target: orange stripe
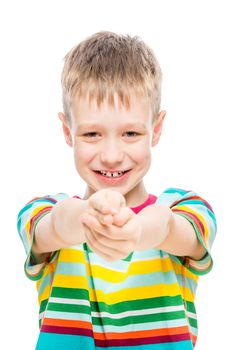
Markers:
point(194, 338)
point(142, 334)
point(67, 323)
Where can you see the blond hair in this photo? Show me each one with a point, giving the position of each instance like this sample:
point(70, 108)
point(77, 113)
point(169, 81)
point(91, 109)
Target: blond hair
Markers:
point(107, 63)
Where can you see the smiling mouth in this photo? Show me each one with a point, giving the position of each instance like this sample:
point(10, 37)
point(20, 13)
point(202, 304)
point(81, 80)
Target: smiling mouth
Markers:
point(113, 174)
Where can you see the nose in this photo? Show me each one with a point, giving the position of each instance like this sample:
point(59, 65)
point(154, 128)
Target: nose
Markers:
point(111, 154)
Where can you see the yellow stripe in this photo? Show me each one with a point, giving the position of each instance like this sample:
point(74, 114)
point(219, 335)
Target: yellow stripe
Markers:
point(45, 294)
point(28, 223)
point(186, 208)
point(49, 269)
point(72, 255)
point(149, 266)
point(27, 227)
point(139, 267)
point(64, 281)
point(181, 270)
point(158, 290)
point(135, 268)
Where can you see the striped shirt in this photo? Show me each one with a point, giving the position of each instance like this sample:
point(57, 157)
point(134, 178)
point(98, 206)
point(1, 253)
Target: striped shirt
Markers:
point(145, 301)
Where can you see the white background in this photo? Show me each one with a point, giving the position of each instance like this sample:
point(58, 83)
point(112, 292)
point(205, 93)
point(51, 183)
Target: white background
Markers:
point(193, 41)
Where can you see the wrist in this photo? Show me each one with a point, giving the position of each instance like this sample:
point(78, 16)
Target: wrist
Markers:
point(65, 220)
point(168, 225)
point(156, 221)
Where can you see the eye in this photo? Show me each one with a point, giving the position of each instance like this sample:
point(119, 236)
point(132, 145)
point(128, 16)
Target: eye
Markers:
point(91, 134)
point(132, 133)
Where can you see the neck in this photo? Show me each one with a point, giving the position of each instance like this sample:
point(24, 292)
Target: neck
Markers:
point(136, 196)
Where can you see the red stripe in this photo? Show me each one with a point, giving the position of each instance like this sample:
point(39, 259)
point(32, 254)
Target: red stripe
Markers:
point(143, 341)
point(197, 221)
point(67, 330)
point(41, 198)
point(35, 217)
point(192, 198)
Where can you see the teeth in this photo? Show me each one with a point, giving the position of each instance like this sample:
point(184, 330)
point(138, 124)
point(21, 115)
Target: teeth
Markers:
point(114, 174)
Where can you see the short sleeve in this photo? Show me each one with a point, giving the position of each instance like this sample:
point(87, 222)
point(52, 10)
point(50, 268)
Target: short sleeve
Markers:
point(27, 221)
point(201, 215)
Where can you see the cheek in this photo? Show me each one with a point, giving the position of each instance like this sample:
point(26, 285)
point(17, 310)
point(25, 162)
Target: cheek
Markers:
point(142, 153)
point(83, 154)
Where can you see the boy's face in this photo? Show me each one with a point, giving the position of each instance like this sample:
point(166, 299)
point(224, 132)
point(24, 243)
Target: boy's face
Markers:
point(112, 145)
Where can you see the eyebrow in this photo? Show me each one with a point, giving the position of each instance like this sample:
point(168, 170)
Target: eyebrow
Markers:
point(84, 126)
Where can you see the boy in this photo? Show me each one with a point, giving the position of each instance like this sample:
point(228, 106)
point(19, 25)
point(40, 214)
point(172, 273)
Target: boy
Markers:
point(117, 269)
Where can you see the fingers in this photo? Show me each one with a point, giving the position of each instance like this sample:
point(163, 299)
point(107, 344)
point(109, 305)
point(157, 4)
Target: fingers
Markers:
point(104, 247)
point(105, 219)
point(94, 224)
point(112, 232)
point(100, 252)
point(111, 242)
point(107, 201)
point(125, 214)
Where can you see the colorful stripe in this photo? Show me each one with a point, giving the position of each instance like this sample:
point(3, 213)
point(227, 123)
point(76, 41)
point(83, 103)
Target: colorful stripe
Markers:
point(145, 301)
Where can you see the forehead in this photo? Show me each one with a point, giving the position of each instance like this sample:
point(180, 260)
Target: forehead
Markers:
point(88, 111)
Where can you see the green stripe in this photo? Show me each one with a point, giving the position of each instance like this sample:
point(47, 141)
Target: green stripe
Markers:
point(70, 293)
point(193, 322)
point(128, 258)
point(81, 309)
point(43, 305)
point(165, 316)
point(190, 307)
point(137, 304)
point(140, 304)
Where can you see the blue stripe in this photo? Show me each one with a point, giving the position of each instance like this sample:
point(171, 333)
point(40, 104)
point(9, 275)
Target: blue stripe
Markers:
point(181, 345)
point(51, 341)
point(175, 190)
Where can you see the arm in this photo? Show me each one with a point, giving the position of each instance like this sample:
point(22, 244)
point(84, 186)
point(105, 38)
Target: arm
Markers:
point(60, 228)
point(188, 209)
point(164, 230)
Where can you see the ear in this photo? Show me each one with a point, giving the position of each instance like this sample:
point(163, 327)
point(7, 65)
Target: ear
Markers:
point(157, 128)
point(66, 129)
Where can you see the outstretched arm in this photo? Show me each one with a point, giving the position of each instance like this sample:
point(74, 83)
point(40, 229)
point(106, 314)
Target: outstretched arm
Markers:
point(60, 228)
point(164, 230)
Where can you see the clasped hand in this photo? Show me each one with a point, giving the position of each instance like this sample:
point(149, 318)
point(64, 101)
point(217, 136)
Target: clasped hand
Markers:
point(112, 230)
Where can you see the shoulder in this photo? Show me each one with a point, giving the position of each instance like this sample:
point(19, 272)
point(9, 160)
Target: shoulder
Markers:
point(172, 194)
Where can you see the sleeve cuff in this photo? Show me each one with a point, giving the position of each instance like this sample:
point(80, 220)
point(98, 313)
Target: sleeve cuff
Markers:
point(204, 265)
point(32, 268)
